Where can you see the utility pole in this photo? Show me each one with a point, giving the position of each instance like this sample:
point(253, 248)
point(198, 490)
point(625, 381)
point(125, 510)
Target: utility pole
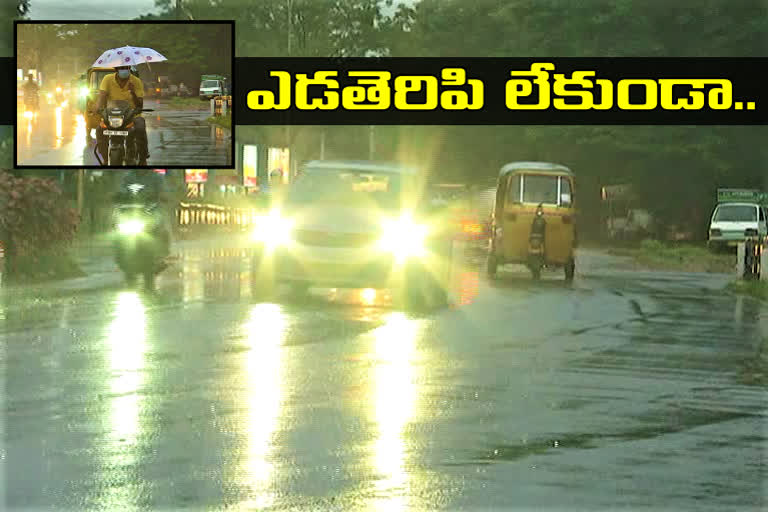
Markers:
point(290, 30)
point(371, 142)
point(80, 191)
point(322, 144)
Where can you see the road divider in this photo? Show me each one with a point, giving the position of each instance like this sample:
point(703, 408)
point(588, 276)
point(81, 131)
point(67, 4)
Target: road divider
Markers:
point(752, 260)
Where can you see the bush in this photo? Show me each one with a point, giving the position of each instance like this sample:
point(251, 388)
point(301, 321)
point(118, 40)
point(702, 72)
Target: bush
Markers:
point(651, 245)
point(36, 221)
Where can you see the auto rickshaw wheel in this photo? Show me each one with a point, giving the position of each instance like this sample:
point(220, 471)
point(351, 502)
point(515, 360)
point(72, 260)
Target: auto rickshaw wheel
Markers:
point(570, 270)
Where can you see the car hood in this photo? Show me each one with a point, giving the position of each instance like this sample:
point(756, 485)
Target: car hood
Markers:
point(733, 226)
point(340, 219)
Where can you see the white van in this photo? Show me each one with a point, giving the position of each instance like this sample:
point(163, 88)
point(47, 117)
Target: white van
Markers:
point(734, 222)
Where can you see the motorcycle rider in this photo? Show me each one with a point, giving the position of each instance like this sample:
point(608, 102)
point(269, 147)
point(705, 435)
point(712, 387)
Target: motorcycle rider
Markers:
point(148, 187)
point(31, 90)
point(123, 85)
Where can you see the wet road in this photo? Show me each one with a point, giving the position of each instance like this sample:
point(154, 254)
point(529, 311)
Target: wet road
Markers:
point(57, 136)
point(624, 390)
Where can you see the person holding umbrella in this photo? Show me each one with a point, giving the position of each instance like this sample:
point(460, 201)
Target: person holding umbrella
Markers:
point(123, 85)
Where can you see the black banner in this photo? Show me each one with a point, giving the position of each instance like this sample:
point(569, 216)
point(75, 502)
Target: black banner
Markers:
point(483, 91)
point(515, 91)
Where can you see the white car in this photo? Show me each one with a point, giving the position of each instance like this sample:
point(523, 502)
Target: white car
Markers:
point(735, 222)
point(350, 224)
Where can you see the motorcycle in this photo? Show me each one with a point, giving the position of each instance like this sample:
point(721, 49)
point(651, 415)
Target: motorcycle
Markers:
point(536, 246)
point(31, 104)
point(122, 149)
point(139, 245)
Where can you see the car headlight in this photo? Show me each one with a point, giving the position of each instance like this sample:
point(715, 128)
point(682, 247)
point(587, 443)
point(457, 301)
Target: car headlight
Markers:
point(403, 238)
point(272, 229)
point(115, 122)
point(131, 227)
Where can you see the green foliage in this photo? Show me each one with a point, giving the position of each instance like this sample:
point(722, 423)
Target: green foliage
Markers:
point(35, 217)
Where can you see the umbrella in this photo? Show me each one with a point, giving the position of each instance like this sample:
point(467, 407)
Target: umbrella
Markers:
point(127, 56)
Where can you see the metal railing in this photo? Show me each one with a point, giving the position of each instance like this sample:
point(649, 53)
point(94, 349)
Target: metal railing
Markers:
point(220, 105)
point(752, 259)
point(192, 216)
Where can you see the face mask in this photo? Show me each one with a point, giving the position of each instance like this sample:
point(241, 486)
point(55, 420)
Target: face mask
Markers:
point(123, 73)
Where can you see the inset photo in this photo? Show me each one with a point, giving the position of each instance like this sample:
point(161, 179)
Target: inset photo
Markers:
point(134, 94)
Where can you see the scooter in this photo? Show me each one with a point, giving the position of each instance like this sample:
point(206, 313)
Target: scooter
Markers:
point(536, 245)
point(141, 242)
point(119, 128)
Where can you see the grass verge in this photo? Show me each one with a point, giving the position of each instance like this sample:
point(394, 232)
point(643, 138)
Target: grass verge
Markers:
point(48, 266)
point(756, 289)
point(225, 121)
point(685, 257)
point(179, 103)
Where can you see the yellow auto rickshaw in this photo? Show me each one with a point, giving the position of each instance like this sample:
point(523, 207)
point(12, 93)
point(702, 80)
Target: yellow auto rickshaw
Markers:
point(91, 93)
point(523, 188)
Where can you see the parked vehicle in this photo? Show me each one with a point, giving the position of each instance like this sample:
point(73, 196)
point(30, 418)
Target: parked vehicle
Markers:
point(740, 214)
point(212, 86)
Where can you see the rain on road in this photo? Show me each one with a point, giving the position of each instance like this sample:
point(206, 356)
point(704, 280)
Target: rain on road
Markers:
point(624, 389)
point(57, 136)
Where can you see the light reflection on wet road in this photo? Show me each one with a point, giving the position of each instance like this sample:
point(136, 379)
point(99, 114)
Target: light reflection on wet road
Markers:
point(57, 136)
point(626, 389)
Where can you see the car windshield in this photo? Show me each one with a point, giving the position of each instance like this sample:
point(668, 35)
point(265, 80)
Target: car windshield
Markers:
point(210, 83)
point(540, 189)
point(736, 213)
point(344, 186)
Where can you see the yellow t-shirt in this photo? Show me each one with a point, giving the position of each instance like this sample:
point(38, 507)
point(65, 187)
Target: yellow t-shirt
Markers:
point(115, 92)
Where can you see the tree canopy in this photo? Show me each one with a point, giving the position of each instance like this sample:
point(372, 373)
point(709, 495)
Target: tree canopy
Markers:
point(69, 49)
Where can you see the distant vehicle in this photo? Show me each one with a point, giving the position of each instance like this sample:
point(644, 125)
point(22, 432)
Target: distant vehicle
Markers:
point(740, 214)
point(212, 86)
point(349, 224)
point(624, 220)
point(524, 189)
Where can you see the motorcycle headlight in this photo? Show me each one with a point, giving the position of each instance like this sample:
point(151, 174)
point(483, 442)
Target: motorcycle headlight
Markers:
point(130, 227)
point(115, 122)
point(404, 238)
point(272, 230)
point(84, 91)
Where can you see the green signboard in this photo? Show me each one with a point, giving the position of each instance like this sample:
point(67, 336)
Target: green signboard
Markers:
point(741, 195)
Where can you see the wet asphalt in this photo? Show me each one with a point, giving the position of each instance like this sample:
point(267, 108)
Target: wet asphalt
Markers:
point(624, 390)
point(176, 138)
